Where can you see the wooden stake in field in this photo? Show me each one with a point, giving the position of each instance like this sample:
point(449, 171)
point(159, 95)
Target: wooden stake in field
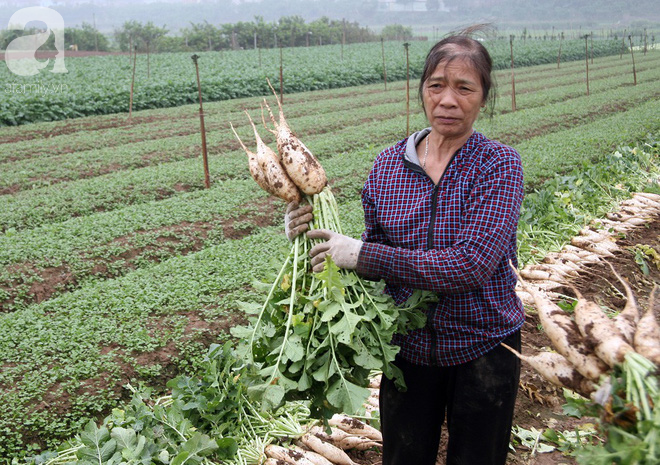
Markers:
point(632, 54)
point(592, 47)
point(382, 46)
point(207, 178)
point(130, 103)
point(406, 45)
point(513, 79)
point(561, 39)
point(586, 58)
point(281, 76)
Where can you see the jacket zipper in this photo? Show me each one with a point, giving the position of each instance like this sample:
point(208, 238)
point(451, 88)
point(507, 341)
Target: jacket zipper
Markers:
point(430, 244)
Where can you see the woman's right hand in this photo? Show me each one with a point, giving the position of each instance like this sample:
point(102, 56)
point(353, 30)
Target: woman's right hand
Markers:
point(296, 219)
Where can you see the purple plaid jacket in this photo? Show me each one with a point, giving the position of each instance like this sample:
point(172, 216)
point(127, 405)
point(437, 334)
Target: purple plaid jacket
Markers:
point(455, 238)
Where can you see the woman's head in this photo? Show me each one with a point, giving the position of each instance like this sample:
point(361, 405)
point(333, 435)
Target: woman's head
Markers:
point(461, 46)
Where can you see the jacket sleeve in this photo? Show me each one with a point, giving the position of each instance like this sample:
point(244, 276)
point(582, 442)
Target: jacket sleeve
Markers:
point(489, 226)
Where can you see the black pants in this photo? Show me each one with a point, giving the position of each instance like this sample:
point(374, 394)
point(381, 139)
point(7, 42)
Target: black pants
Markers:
point(477, 397)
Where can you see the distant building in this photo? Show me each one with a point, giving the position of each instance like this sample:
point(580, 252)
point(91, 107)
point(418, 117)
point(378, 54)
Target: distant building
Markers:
point(406, 5)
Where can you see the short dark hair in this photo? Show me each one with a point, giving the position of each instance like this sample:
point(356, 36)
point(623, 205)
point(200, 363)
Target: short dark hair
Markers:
point(461, 45)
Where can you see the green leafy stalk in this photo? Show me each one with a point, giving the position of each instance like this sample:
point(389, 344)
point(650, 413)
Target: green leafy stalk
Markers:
point(319, 335)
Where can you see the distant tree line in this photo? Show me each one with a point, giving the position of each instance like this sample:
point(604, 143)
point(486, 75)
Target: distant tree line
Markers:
point(288, 31)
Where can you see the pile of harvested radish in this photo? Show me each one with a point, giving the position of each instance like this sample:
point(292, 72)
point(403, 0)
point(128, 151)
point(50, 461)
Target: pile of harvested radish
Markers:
point(593, 353)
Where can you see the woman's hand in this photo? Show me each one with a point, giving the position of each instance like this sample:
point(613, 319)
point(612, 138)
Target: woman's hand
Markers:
point(344, 250)
point(296, 219)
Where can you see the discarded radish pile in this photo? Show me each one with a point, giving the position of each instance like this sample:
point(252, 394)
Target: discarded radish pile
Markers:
point(612, 362)
point(318, 336)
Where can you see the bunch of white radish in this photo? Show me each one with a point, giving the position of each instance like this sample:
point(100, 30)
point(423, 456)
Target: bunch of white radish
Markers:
point(288, 172)
point(317, 336)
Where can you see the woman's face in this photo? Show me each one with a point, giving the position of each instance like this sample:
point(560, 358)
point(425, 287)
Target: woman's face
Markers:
point(453, 96)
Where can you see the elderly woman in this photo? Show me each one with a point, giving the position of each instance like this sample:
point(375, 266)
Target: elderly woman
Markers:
point(441, 212)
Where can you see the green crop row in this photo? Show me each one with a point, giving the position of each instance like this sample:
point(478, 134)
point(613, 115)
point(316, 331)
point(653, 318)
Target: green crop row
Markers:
point(101, 85)
point(56, 203)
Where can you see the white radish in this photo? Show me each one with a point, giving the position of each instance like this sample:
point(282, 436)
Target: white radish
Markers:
point(565, 336)
point(286, 455)
point(375, 382)
point(559, 371)
point(355, 426)
point(256, 171)
point(655, 198)
point(329, 451)
point(541, 275)
point(604, 248)
point(272, 461)
point(627, 319)
point(345, 440)
point(647, 337)
point(303, 168)
point(585, 255)
point(599, 330)
point(314, 457)
point(276, 175)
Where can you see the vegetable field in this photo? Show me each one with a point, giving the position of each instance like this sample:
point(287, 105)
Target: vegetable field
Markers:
point(117, 266)
point(102, 85)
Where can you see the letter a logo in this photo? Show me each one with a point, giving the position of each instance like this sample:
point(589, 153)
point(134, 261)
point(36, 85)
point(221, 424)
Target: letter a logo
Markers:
point(20, 53)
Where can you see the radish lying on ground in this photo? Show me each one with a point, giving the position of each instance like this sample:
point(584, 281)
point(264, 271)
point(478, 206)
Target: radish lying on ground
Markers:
point(599, 330)
point(559, 371)
point(647, 337)
point(627, 319)
point(565, 336)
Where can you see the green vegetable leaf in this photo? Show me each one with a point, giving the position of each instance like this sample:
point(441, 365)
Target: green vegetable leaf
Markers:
point(346, 396)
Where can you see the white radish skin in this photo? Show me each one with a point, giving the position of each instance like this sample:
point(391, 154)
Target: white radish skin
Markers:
point(256, 171)
point(286, 455)
point(541, 275)
point(327, 450)
point(627, 319)
point(604, 248)
point(585, 255)
point(653, 198)
point(599, 330)
point(275, 174)
point(355, 426)
point(595, 236)
point(272, 461)
point(375, 382)
point(559, 371)
point(647, 337)
point(303, 168)
point(315, 458)
point(565, 336)
point(344, 440)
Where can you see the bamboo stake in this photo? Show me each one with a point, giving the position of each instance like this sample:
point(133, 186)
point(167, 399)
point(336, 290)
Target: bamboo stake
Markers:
point(586, 58)
point(513, 79)
point(561, 38)
point(207, 178)
point(382, 45)
point(632, 54)
point(130, 103)
point(281, 76)
point(406, 45)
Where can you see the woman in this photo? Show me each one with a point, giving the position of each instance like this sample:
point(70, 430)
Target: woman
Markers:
point(441, 213)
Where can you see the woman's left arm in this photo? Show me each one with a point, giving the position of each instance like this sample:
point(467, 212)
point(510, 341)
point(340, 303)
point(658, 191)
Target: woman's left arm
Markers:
point(484, 238)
